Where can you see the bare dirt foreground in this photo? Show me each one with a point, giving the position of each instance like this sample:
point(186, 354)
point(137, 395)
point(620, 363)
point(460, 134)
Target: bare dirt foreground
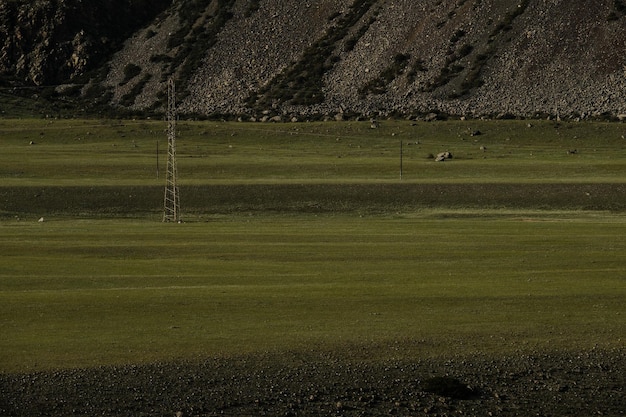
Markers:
point(587, 383)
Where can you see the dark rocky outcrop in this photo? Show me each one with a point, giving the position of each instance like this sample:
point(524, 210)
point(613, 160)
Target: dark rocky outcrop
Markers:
point(55, 41)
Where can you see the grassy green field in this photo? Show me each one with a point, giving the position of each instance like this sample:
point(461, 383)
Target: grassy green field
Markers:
point(92, 285)
point(124, 152)
point(79, 293)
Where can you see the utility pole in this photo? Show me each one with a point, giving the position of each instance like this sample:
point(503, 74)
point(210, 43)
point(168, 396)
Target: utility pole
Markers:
point(171, 205)
point(401, 157)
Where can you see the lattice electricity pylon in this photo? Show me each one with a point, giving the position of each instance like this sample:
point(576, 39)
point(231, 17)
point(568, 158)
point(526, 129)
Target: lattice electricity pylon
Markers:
point(171, 210)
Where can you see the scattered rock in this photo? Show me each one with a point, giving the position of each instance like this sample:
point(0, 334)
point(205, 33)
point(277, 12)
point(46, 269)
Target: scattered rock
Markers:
point(430, 117)
point(443, 156)
point(580, 383)
point(257, 47)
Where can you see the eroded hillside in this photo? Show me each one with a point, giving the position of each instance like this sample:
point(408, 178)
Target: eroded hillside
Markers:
point(339, 58)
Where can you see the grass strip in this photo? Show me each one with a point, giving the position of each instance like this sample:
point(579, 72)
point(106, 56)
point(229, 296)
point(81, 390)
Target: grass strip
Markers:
point(79, 293)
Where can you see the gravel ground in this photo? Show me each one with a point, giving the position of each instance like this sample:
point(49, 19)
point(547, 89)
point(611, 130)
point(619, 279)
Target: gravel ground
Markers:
point(587, 383)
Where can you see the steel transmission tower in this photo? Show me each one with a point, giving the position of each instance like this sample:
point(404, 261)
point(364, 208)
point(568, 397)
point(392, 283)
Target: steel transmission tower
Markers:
point(171, 210)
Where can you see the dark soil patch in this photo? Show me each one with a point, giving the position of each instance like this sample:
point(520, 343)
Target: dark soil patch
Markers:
point(317, 198)
point(447, 386)
point(312, 384)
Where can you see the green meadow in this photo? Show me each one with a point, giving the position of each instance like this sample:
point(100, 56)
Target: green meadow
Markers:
point(309, 237)
point(124, 152)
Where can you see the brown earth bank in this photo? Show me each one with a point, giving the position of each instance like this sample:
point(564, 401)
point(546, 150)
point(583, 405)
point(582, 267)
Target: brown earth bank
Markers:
point(581, 383)
point(309, 198)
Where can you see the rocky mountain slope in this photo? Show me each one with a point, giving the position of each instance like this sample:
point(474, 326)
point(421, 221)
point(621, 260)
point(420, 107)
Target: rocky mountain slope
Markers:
point(332, 58)
point(54, 41)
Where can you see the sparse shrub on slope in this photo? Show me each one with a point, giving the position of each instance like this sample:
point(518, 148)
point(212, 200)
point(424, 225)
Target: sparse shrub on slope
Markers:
point(301, 83)
point(194, 38)
point(379, 84)
point(129, 98)
point(253, 6)
point(130, 71)
point(471, 76)
point(619, 10)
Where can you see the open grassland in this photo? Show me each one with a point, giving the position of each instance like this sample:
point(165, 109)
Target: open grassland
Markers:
point(110, 152)
point(309, 278)
point(304, 237)
point(84, 293)
point(117, 167)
